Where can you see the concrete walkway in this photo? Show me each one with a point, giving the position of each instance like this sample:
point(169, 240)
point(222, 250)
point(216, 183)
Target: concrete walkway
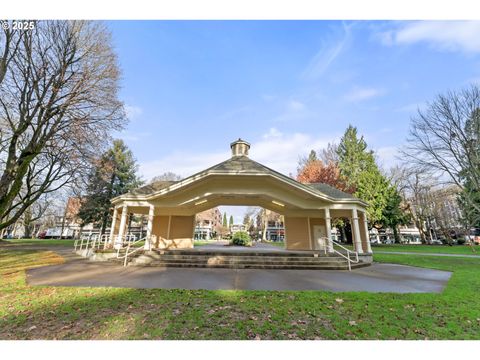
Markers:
point(376, 278)
point(77, 271)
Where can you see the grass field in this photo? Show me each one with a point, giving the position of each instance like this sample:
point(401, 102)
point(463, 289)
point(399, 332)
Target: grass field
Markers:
point(44, 312)
point(440, 249)
point(42, 242)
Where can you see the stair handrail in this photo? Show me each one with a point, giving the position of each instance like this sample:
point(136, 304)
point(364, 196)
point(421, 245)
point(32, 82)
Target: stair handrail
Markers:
point(348, 251)
point(92, 241)
point(127, 251)
point(100, 240)
point(105, 239)
point(81, 243)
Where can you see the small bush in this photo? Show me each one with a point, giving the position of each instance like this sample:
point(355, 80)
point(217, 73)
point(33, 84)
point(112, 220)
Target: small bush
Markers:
point(241, 238)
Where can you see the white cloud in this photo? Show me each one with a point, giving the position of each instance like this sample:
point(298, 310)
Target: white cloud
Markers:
point(181, 163)
point(442, 35)
point(387, 156)
point(276, 150)
point(327, 54)
point(133, 112)
point(282, 152)
point(362, 93)
point(272, 133)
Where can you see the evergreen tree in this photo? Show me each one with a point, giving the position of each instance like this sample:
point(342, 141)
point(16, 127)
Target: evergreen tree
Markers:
point(393, 214)
point(312, 156)
point(230, 221)
point(114, 174)
point(353, 157)
point(306, 160)
point(469, 197)
point(224, 223)
point(361, 173)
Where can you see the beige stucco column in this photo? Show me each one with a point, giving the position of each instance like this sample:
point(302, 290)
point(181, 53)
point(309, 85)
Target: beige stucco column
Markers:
point(123, 224)
point(114, 223)
point(357, 240)
point(151, 213)
point(328, 230)
point(367, 236)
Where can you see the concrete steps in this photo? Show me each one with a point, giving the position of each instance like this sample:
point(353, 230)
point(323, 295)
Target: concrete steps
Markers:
point(242, 260)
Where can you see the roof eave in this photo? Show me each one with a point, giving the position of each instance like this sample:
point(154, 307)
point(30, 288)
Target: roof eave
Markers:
point(197, 177)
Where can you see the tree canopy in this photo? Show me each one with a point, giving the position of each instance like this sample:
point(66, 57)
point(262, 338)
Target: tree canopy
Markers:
point(114, 174)
point(358, 167)
point(316, 171)
point(444, 140)
point(59, 86)
point(224, 222)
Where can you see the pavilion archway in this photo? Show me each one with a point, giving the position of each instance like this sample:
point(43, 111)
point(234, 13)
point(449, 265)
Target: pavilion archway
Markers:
point(307, 208)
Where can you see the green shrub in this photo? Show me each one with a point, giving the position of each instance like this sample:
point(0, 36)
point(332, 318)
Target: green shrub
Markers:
point(241, 238)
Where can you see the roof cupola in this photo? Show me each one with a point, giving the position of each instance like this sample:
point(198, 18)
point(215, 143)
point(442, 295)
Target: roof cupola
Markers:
point(240, 148)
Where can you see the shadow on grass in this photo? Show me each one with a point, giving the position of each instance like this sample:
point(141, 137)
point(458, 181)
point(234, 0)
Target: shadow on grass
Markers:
point(46, 312)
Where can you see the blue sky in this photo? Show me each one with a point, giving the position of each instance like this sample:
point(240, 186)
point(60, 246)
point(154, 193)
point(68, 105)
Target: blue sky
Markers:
point(192, 87)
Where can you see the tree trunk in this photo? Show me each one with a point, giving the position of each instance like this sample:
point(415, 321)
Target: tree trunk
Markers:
point(396, 235)
point(63, 222)
point(344, 233)
point(265, 225)
point(104, 223)
point(28, 231)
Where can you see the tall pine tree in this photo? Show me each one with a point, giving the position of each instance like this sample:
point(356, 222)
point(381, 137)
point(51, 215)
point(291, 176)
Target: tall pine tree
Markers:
point(114, 174)
point(361, 173)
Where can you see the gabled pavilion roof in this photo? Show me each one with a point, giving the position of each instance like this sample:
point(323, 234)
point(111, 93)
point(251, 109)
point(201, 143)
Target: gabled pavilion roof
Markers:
point(152, 188)
point(241, 165)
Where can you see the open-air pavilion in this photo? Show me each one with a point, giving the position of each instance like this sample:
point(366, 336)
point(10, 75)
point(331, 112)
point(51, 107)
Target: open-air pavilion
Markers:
point(308, 209)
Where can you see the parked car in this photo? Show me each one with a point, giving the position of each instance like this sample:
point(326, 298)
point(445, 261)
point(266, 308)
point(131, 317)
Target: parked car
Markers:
point(474, 236)
point(436, 242)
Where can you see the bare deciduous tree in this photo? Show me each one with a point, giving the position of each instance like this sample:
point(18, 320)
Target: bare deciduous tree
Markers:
point(58, 104)
point(329, 154)
point(167, 176)
point(34, 213)
point(445, 140)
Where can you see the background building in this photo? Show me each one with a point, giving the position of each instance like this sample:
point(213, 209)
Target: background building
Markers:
point(207, 224)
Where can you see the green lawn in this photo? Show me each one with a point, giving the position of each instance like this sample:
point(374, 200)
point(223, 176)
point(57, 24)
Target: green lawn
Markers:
point(29, 242)
point(45, 312)
point(440, 249)
point(279, 244)
point(201, 242)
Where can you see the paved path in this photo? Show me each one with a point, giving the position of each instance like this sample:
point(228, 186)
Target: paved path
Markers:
point(425, 254)
point(78, 271)
point(376, 278)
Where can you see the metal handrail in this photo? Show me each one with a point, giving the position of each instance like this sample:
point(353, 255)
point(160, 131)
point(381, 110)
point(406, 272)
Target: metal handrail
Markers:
point(90, 241)
point(100, 240)
point(127, 253)
point(105, 239)
point(345, 256)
